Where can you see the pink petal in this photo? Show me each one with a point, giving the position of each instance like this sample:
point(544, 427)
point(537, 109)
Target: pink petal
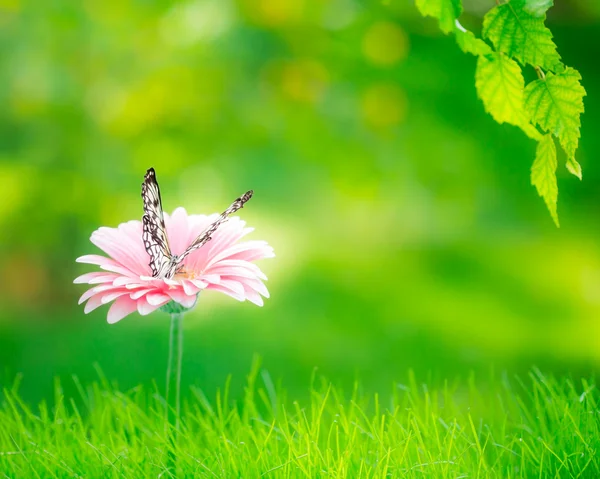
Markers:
point(189, 288)
point(199, 283)
point(145, 308)
point(234, 286)
point(157, 299)
point(253, 297)
point(117, 269)
point(124, 280)
point(226, 263)
point(232, 271)
point(180, 297)
point(104, 263)
point(139, 293)
point(107, 298)
point(227, 291)
point(120, 308)
point(95, 290)
point(240, 251)
point(93, 259)
point(86, 295)
point(107, 278)
point(226, 235)
point(256, 285)
point(93, 303)
point(254, 254)
point(210, 278)
point(124, 245)
point(92, 278)
point(178, 230)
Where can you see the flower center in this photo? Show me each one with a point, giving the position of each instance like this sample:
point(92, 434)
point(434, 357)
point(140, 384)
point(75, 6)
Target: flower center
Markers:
point(186, 274)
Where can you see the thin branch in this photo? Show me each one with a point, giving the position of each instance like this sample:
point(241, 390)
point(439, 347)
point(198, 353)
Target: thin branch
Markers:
point(540, 73)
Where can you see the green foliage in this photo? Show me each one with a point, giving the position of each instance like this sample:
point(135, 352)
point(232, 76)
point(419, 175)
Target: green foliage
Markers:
point(553, 103)
point(537, 8)
point(521, 35)
point(543, 174)
point(446, 11)
point(469, 43)
point(540, 427)
point(574, 167)
point(500, 84)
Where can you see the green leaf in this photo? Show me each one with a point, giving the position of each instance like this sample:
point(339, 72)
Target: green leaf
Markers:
point(574, 167)
point(446, 11)
point(537, 8)
point(555, 104)
point(543, 174)
point(469, 43)
point(530, 130)
point(521, 35)
point(500, 86)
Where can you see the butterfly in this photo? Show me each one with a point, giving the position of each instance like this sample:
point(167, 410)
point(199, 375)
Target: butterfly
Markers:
point(163, 263)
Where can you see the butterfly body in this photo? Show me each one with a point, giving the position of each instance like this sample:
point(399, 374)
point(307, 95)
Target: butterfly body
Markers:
point(163, 263)
point(169, 268)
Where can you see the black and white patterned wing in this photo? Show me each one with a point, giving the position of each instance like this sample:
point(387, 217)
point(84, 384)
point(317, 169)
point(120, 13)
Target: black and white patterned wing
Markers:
point(154, 232)
point(206, 235)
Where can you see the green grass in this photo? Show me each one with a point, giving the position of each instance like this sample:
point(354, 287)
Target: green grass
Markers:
point(539, 427)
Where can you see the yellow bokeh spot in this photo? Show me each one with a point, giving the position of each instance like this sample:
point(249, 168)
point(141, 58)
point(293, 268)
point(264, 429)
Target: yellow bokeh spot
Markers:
point(30, 87)
point(152, 101)
point(273, 13)
point(303, 80)
point(163, 152)
point(299, 80)
point(109, 13)
point(16, 179)
point(385, 44)
point(118, 208)
point(384, 105)
point(10, 6)
point(30, 279)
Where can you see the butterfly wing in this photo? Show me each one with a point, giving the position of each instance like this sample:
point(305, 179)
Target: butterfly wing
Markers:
point(154, 232)
point(206, 235)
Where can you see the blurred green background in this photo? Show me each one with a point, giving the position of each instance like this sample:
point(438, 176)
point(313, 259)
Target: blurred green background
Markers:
point(406, 231)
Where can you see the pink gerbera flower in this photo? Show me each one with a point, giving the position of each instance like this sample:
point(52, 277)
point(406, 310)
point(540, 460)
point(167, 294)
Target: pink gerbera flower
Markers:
point(223, 264)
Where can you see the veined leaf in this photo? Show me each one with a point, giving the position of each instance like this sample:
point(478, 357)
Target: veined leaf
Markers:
point(574, 167)
point(446, 11)
point(514, 30)
point(543, 174)
point(537, 8)
point(469, 43)
point(530, 130)
point(500, 86)
point(555, 105)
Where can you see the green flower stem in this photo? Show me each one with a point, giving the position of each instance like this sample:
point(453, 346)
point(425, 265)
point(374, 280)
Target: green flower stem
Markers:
point(173, 389)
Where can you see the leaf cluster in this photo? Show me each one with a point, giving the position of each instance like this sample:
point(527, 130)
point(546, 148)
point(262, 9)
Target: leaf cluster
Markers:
point(547, 108)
